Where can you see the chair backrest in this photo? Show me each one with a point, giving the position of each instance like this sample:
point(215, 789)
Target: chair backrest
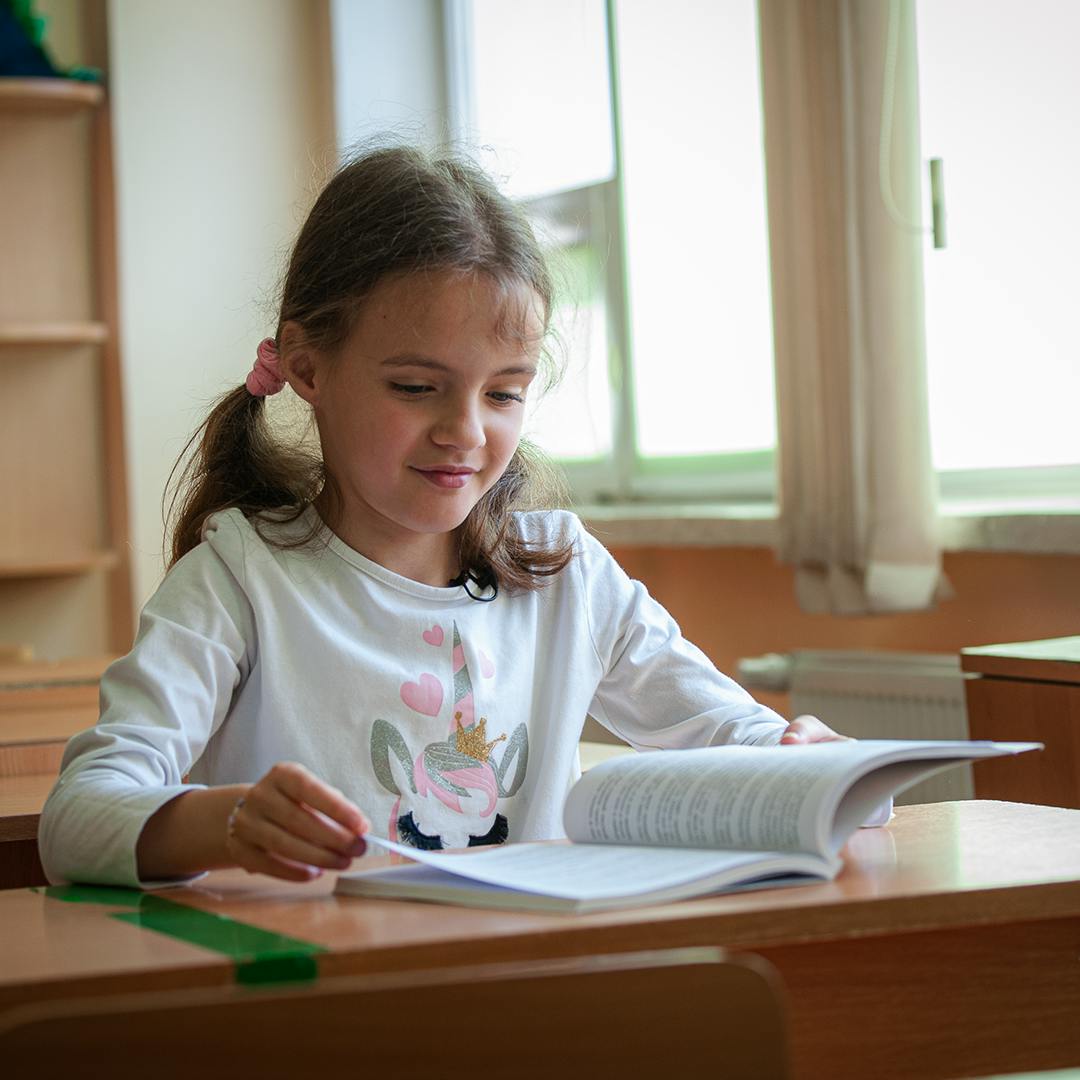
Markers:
point(683, 1013)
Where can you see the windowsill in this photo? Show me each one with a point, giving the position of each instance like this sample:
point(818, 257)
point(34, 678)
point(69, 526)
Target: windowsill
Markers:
point(1045, 528)
point(690, 525)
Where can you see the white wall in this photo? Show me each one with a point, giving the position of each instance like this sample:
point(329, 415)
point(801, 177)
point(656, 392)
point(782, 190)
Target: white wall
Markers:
point(389, 69)
point(223, 127)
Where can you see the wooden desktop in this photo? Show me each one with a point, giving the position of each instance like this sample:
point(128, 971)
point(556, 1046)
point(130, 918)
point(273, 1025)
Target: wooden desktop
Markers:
point(947, 946)
point(1027, 691)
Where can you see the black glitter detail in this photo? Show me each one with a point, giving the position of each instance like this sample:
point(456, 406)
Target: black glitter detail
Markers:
point(411, 834)
point(495, 835)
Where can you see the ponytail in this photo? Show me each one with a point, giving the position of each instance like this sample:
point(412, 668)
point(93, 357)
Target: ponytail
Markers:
point(233, 459)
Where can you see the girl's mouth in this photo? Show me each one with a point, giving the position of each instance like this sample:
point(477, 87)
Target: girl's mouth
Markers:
point(451, 476)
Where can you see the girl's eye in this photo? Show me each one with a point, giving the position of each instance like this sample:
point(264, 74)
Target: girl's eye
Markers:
point(504, 397)
point(412, 389)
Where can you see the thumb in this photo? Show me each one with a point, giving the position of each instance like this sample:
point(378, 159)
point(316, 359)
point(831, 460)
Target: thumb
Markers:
point(796, 731)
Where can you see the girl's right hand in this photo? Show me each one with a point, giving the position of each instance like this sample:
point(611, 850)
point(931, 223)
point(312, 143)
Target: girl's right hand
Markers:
point(290, 824)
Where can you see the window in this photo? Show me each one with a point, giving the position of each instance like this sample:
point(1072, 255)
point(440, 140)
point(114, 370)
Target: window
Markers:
point(998, 92)
point(632, 135)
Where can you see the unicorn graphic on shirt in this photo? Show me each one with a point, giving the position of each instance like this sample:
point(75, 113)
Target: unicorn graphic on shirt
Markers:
point(447, 793)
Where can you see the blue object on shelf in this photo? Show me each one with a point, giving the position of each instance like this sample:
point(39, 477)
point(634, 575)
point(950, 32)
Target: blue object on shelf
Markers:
point(21, 53)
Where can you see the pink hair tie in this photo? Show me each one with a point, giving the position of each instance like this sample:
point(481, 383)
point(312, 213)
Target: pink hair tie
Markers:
point(265, 377)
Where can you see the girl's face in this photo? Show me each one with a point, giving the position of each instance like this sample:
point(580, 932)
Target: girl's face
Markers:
point(421, 411)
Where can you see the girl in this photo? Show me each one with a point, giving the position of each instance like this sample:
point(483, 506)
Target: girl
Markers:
point(384, 636)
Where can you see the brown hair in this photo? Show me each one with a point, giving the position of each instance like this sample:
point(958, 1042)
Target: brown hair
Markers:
point(393, 210)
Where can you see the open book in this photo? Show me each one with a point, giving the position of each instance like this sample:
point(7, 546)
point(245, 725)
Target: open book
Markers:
point(648, 828)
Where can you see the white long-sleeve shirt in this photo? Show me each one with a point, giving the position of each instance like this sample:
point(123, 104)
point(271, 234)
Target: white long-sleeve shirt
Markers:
point(448, 721)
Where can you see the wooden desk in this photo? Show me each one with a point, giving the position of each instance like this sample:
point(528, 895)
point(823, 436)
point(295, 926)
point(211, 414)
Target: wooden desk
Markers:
point(947, 947)
point(1027, 691)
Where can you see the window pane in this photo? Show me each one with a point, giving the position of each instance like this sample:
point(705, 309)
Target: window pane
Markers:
point(697, 244)
point(540, 93)
point(573, 420)
point(999, 86)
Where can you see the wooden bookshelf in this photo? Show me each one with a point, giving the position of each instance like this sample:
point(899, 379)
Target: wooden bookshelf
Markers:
point(65, 580)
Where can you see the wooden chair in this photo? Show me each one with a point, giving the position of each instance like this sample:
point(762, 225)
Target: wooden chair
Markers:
point(682, 1013)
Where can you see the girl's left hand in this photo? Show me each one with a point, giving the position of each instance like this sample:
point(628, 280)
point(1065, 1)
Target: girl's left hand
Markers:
point(809, 729)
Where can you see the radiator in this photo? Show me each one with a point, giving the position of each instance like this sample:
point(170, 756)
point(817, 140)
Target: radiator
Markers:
point(876, 695)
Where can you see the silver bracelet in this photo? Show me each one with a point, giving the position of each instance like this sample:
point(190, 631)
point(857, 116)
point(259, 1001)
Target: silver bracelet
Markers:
point(230, 825)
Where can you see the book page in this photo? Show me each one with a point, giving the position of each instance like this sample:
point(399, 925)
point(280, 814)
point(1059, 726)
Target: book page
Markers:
point(597, 873)
point(764, 798)
point(733, 797)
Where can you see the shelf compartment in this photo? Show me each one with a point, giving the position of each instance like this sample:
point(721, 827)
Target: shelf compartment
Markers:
point(47, 274)
point(52, 467)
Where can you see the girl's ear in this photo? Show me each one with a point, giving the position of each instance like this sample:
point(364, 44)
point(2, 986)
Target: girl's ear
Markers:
point(299, 362)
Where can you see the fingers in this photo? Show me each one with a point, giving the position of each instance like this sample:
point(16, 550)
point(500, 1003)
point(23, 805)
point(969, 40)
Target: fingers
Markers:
point(274, 840)
point(291, 824)
point(301, 786)
point(809, 729)
point(257, 861)
point(308, 827)
point(302, 805)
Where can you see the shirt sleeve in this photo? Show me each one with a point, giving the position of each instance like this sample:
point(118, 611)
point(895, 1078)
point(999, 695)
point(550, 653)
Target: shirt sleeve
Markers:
point(658, 691)
point(160, 705)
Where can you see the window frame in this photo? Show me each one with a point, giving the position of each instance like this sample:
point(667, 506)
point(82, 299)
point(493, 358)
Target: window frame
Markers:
point(626, 476)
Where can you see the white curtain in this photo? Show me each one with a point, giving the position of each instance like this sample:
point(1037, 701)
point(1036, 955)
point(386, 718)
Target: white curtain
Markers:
point(857, 489)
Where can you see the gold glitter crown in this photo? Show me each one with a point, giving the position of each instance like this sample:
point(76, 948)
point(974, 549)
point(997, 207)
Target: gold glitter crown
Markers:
point(472, 741)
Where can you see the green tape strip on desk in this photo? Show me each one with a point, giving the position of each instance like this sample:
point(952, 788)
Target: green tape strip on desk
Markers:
point(260, 956)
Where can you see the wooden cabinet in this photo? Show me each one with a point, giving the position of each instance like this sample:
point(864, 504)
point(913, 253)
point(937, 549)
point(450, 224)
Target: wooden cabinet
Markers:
point(1027, 691)
point(65, 585)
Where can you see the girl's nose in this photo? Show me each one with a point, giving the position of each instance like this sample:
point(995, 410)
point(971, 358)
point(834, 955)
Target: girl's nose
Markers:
point(459, 427)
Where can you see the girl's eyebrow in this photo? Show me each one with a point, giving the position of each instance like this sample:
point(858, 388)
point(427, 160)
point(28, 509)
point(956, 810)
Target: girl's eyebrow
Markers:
point(416, 361)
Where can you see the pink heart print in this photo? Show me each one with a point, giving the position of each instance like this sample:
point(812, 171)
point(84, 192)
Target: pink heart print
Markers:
point(425, 696)
point(434, 636)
